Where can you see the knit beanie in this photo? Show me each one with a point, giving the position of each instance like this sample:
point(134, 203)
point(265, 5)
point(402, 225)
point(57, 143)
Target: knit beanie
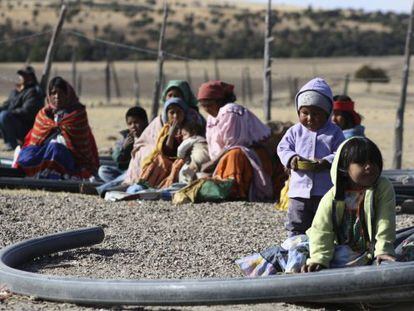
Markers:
point(317, 93)
point(313, 98)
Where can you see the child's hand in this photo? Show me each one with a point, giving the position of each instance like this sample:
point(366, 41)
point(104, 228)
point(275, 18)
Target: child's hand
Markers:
point(172, 133)
point(293, 164)
point(174, 128)
point(384, 257)
point(312, 267)
point(129, 140)
point(322, 165)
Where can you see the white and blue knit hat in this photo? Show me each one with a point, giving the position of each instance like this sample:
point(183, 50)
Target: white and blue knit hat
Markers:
point(315, 93)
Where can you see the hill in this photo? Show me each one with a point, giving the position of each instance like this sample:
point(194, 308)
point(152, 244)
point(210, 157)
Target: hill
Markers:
point(197, 29)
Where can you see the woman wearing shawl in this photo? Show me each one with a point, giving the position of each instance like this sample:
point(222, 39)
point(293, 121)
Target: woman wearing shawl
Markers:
point(144, 145)
point(60, 144)
point(236, 142)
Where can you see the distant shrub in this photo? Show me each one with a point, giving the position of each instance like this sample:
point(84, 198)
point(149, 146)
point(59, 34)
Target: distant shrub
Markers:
point(141, 22)
point(201, 25)
point(95, 29)
point(215, 20)
point(35, 13)
point(370, 74)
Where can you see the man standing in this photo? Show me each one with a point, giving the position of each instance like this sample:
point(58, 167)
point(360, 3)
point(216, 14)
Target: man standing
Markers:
point(18, 112)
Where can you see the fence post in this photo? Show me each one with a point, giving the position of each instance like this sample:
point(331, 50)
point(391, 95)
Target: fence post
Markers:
point(74, 69)
point(399, 125)
point(293, 87)
point(206, 78)
point(116, 82)
point(79, 85)
point(267, 74)
point(346, 84)
point(136, 85)
point(243, 86)
point(249, 89)
point(188, 73)
point(51, 49)
point(108, 81)
point(216, 69)
point(160, 63)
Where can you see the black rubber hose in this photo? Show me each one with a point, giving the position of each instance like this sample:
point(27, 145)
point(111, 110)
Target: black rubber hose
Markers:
point(47, 184)
point(11, 172)
point(394, 282)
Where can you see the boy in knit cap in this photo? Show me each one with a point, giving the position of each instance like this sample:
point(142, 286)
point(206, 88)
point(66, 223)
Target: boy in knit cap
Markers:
point(308, 149)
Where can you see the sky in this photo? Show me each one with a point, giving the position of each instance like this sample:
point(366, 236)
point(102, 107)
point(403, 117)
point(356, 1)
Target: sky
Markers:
point(401, 6)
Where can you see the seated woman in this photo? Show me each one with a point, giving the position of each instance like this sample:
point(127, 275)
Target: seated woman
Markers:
point(146, 142)
point(345, 116)
point(161, 168)
point(236, 142)
point(61, 144)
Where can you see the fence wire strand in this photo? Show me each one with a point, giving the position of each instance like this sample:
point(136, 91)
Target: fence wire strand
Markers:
point(22, 38)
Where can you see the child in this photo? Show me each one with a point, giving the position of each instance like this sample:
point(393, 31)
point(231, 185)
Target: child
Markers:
point(136, 120)
point(161, 167)
point(315, 138)
point(346, 117)
point(193, 150)
point(355, 221)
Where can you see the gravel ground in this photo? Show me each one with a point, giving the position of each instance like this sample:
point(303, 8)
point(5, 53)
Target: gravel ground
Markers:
point(143, 240)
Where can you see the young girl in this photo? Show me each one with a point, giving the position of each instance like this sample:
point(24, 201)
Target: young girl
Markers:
point(355, 221)
point(345, 116)
point(161, 167)
point(144, 145)
point(314, 138)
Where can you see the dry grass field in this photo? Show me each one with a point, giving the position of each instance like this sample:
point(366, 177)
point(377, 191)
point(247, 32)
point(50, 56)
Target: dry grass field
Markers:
point(378, 106)
point(27, 213)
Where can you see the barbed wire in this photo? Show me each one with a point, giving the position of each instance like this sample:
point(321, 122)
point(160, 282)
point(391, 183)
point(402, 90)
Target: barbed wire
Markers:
point(126, 46)
point(25, 37)
point(107, 42)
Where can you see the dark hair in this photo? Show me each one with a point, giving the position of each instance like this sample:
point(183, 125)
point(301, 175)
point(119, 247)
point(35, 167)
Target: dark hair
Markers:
point(230, 98)
point(349, 119)
point(175, 88)
point(342, 98)
point(138, 112)
point(193, 128)
point(360, 150)
point(357, 150)
point(58, 83)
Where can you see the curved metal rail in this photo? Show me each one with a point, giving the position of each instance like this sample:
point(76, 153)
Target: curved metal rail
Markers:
point(394, 282)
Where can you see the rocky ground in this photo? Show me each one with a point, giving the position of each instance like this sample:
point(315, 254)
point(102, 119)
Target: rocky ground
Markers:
point(143, 240)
